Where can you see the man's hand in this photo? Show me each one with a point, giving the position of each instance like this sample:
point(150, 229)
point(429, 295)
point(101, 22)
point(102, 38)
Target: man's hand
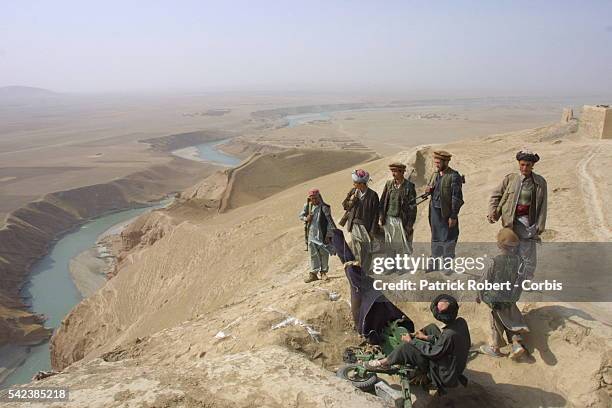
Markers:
point(452, 222)
point(406, 338)
point(420, 335)
point(429, 189)
point(309, 218)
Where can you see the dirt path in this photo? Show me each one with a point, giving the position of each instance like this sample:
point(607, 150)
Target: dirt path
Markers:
point(592, 203)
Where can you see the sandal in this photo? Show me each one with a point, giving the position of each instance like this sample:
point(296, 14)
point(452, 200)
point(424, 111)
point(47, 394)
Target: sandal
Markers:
point(517, 351)
point(488, 350)
point(376, 366)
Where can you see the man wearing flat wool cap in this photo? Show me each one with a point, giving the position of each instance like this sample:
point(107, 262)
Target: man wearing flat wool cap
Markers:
point(398, 210)
point(445, 187)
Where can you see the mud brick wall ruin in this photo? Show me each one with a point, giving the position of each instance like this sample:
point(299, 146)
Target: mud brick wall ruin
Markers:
point(596, 121)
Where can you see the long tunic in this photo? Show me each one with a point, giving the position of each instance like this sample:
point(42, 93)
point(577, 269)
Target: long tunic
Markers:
point(320, 232)
point(505, 315)
point(448, 353)
point(398, 213)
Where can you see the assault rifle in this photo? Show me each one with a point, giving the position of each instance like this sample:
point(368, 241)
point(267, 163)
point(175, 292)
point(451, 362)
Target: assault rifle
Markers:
point(420, 199)
point(307, 224)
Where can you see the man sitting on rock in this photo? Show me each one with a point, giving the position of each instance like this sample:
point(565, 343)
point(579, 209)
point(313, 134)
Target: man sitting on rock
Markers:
point(440, 354)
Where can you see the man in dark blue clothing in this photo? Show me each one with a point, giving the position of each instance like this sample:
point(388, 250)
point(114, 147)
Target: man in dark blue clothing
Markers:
point(445, 186)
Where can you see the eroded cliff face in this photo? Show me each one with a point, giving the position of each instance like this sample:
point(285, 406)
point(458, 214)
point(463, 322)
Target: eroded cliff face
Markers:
point(201, 302)
point(177, 141)
point(29, 231)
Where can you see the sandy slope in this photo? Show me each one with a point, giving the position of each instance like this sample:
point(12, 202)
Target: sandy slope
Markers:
point(240, 272)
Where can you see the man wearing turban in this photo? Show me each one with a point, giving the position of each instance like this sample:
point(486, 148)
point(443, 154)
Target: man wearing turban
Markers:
point(361, 218)
point(317, 215)
point(445, 187)
point(520, 202)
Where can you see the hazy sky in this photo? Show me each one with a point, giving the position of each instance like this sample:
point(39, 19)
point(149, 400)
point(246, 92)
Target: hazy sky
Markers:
point(503, 47)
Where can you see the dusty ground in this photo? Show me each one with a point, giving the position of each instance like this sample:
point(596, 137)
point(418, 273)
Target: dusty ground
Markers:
point(240, 273)
point(190, 273)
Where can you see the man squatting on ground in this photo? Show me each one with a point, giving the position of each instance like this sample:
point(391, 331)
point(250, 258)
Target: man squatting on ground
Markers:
point(317, 214)
point(520, 202)
point(441, 354)
point(361, 205)
point(398, 211)
point(505, 317)
point(445, 186)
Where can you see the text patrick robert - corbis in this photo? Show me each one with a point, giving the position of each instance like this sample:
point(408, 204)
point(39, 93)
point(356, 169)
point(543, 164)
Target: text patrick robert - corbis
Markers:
point(474, 265)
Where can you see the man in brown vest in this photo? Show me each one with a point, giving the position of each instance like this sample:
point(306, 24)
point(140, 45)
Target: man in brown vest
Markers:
point(398, 210)
point(445, 187)
point(520, 202)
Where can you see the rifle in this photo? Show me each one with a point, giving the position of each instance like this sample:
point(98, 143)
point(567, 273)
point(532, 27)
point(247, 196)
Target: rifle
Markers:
point(307, 224)
point(420, 199)
point(352, 200)
point(423, 197)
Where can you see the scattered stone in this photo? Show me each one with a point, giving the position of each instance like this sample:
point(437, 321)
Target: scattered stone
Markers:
point(43, 374)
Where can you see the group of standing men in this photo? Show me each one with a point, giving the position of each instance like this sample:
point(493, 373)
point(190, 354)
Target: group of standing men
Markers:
point(519, 201)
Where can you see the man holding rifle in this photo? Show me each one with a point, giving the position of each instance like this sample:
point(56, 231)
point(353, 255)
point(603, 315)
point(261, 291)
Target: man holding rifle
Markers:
point(319, 226)
point(445, 186)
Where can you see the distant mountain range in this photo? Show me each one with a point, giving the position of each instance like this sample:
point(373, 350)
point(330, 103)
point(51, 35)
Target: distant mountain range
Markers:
point(22, 92)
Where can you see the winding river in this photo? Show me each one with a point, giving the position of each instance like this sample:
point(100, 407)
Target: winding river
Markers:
point(208, 152)
point(51, 289)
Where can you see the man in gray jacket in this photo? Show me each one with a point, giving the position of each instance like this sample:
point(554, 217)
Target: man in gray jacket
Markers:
point(317, 216)
point(520, 202)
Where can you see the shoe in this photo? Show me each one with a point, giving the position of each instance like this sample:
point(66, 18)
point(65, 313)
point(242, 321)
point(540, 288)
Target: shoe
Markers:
point(517, 351)
point(324, 276)
point(431, 267)
point(448, 272)
point(311, 277)
point(488, 350)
